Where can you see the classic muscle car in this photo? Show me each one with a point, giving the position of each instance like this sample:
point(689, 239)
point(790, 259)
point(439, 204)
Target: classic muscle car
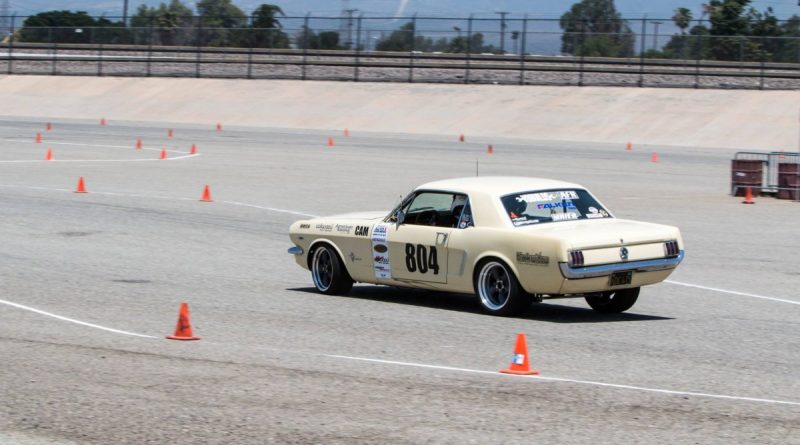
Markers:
point(509, 240)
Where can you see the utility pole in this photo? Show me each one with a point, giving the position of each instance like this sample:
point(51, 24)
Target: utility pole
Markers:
point(125, 13)
point(503, 15)
point(350, 13)
point(655, 34)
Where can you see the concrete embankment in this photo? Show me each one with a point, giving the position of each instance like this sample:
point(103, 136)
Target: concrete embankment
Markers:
point(759, 120)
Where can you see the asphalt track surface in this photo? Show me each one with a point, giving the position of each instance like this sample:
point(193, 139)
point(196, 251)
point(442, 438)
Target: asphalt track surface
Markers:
point(90, 284)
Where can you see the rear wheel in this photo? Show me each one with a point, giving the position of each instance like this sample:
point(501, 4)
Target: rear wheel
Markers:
point(499, 291)
point(613, 302)
point(329, 274)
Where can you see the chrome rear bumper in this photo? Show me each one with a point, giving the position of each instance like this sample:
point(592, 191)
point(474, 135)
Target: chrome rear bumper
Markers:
point(608, 269)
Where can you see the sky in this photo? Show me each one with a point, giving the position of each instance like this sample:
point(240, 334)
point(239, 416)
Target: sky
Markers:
point(439, 8)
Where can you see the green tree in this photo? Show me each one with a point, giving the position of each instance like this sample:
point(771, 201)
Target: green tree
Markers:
point(171, 24)
point(595, 28)
point(222, 23)
point(323, 40)
point(728, 21)
point(399, 40)
point(266, 29)
point(70, 27)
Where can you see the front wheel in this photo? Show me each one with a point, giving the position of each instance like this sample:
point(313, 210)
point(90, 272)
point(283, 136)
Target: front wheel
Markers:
point(613, 302)
point(329, 274)
point(499, 290)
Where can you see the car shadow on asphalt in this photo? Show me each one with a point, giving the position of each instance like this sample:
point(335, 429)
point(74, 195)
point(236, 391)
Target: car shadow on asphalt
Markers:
point(546, 311)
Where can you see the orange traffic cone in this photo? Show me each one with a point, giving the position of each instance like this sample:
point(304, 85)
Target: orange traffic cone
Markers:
point(461, 137)
point(183, 330)
point(654, 157)
point(49, 126)
point(330, 141)
point(163, 154)
point(219, 126)
point(206, 195)
point(81, 186)
point(38, 138)
point(138, 143)
point(490, 150)
point(102, 121)
point(169, 133)
point(49, 155)
point(194, 150)
point(346, 133)
point(519, 363)
point(629, 147)
point(748, 196)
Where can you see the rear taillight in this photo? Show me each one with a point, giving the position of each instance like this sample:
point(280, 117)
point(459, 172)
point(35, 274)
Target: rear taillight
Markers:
point(576, 258)
point(671, 248)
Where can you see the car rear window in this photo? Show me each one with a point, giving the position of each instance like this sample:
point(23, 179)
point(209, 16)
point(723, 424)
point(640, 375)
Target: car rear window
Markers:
point(545, 206)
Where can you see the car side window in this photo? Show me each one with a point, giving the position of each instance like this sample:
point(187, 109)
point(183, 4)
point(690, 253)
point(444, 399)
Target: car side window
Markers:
point(437, 209)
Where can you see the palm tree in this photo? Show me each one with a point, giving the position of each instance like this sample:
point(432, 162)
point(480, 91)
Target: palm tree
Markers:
point(682, 18)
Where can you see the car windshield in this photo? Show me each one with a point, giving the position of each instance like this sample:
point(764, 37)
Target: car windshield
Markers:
point(544, 206)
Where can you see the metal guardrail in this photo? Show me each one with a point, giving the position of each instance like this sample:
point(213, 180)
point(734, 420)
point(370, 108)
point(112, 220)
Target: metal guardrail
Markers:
point(413, 66)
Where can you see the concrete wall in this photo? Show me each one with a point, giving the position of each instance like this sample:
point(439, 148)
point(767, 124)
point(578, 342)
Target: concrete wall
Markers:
point(761, 120)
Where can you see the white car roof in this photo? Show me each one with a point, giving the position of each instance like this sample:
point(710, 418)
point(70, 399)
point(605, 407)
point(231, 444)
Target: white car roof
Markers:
point(497, 185)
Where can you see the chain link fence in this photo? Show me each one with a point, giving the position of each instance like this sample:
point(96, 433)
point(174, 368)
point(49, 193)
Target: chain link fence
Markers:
point(471, 50)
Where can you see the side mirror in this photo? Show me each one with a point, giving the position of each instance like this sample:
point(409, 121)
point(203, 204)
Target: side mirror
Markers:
point(401, 217)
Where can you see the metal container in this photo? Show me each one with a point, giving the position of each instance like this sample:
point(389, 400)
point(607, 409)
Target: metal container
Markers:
point(747, 173)
point(788, 178)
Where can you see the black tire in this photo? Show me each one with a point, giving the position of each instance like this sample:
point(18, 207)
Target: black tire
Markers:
point(499, 290)
point(328, 272)
point(613, 302)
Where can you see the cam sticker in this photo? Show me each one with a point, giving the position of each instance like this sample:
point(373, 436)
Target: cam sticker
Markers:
point(535, 259)
point(380, 251)
point(362, 231)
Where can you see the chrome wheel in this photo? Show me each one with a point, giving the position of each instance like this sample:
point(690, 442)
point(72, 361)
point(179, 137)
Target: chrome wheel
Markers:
point(494, 286)
point(322, 269)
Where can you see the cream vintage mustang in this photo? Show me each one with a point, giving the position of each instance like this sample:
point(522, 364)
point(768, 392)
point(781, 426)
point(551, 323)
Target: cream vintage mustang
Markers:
point(509, 240)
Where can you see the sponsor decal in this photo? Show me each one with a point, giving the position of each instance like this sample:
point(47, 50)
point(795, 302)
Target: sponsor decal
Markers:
point(518, 359)
point(362, 231)
point(564, 216)
point(353, 257)
point(549, 196)
point(594, 215)
point(324, 227)
point(344, 228)
point(536, 259)
point(380, 232)
point(305, 226)
point(555, 205)
point(592, 209)
point(380, 259)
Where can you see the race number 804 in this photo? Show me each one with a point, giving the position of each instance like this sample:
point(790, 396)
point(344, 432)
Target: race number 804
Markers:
point(422, 258)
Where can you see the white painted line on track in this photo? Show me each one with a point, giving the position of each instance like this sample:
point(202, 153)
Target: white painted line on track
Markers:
point(77, 144)
point(563, 380)
point(169, 198)
point(271, 209)
point(71, 320)
point(732, 292)
point(100, 160)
